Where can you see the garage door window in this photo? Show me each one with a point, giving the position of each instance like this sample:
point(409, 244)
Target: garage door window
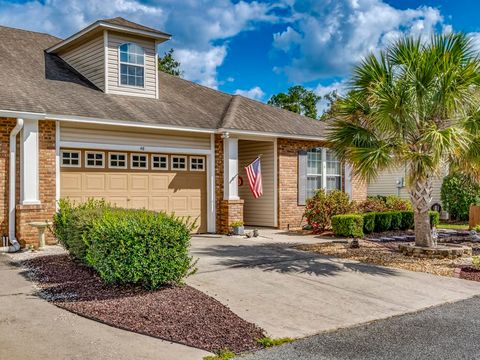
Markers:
point(70, 158)
point(117, 160)
point(159, 162)
point(139, 161)
point(94, 159)
point(179, 163)
point(197, 163)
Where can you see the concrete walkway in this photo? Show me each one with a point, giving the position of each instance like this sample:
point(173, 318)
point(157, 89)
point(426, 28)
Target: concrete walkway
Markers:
point(294, 293)
point(31, 328)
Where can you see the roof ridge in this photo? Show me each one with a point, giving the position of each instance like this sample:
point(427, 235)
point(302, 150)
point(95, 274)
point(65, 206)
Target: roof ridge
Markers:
point(230, 111)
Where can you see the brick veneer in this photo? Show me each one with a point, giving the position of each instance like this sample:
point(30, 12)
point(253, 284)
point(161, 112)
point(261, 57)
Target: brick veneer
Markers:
point(6, 126)
point(289, 212)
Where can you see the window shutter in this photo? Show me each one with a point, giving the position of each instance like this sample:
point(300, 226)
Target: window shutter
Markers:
point(302, 177)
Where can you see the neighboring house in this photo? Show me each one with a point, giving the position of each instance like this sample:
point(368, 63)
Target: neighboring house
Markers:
point(91, 116)
point(394, 182)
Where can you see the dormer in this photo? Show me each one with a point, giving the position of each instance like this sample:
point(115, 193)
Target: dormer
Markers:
point(116, 55)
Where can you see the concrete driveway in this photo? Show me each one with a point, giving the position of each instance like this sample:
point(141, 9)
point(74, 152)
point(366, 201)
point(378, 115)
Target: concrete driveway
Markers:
point(295, 293)
point(31, 328)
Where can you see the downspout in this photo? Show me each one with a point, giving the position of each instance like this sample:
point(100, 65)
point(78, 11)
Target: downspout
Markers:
point(15, 245)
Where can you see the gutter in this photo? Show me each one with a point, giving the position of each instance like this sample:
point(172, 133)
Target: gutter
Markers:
point(15, 245)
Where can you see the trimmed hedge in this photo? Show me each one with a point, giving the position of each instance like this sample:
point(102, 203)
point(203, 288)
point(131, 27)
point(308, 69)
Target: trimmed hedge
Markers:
point(383, 221)
point(350, 225)
point(407, 220)
point(434, 218)
point(368, 222)
point(396, 223)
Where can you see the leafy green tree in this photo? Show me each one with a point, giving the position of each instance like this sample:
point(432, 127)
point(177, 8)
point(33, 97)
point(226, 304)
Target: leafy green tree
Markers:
point(168, 64)
point(297, 99)
point(332, 97)
point(413, 104)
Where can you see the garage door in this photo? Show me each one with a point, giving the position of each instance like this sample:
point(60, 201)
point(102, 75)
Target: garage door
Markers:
point(159, 182)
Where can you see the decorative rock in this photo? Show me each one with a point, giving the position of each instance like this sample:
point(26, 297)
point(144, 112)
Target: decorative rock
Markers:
point(400, 238)
point(446, 251)
point(410, 237)
point(386, 238)
point(354, 244)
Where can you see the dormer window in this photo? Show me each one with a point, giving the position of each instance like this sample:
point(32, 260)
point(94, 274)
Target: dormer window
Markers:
point(132, 65)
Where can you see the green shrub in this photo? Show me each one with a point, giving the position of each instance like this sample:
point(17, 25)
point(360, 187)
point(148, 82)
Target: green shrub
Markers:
point(396, 222)
point(369, 222)
point(372, 204)
point(350, 225)
point(476, 262)
point(72, 222)
point(383, 221)
point(434, 218)
point(396, 203)
point(322, 206)
point(139, 247)
point(268, 342)
point(407, 220)
point(458, 192)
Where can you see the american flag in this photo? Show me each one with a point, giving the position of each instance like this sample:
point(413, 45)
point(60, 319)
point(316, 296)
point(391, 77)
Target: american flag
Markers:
point(254, 175)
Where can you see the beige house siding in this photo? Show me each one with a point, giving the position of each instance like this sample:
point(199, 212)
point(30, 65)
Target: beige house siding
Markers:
point(89, 60)
point(114, 87)
point(261, 211)
point(386, 184)
point(119, 135)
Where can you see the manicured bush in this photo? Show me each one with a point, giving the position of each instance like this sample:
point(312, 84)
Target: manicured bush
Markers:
point(407, 220)
point(322, 206)
point(73, 222)
point(434, 218)
point(396, 203)
point(139, 247)
point(458, 192)
point(396, 222)
point(372, 204)
point(383, 221)
point(350, 225)
point(368, 222)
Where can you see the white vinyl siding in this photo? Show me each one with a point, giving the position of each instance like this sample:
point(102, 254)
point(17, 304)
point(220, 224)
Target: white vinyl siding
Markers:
point(261, 211)
point(386, 184)
point(89, 60)
point(114, 86)
point(115, 135)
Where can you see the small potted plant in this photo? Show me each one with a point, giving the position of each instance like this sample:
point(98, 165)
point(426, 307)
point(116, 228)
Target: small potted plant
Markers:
point(237, 228)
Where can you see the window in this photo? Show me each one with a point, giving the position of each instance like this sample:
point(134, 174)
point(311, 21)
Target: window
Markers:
point(179, 162)
point(159, 162)
point(138, 161)
point(132, 65)
point(323, 171)
point(94, 159)
point(117, 160)
point(197, 163)
point(70, 158)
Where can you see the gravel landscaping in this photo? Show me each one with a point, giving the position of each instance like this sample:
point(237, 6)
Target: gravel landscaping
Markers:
point(179, 314)
point(387, 254)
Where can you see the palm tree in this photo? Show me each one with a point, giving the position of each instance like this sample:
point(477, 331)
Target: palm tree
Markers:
point(413, 104)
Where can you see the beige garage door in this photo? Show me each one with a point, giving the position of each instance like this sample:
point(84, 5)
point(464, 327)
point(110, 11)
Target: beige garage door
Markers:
point(168, 184)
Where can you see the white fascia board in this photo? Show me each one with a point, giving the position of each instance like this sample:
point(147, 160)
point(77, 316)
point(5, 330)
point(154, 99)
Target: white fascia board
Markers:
point(134, 148)
point(22, 114)
point(270, 134)
point(111, 27)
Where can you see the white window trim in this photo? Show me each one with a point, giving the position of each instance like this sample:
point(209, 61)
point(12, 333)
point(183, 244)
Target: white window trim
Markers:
point(159, 168)
point(138, 168)
point(178, 157)
point(117, 167)
point(127, 63)
point(324, 174)
point(71, 151)
point(95, 153)
point(197, 157)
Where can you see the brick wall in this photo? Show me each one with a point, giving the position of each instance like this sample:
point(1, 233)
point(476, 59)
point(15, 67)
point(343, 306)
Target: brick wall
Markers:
point(6, 126)
point(25, 214)
point(289, 212)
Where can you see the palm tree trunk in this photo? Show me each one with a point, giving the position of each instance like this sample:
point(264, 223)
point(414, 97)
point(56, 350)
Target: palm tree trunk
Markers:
point(421, 196)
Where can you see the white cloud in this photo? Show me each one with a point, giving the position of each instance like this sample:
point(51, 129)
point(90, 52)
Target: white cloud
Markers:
point(255, 93)
point(328, 37)
point(200, 28)
point(339, 86)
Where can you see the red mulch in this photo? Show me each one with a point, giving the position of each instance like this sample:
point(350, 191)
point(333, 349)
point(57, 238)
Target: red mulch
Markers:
point(469, 273)
point(179, 313)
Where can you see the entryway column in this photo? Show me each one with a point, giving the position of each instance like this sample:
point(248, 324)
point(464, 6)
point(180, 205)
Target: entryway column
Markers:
point(29, 187)
point(230, 185)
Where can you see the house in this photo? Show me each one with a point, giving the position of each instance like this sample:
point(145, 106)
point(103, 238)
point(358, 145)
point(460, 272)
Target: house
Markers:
point(90, 116)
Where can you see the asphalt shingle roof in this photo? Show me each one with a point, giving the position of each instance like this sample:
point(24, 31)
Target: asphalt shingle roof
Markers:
point(33, 81)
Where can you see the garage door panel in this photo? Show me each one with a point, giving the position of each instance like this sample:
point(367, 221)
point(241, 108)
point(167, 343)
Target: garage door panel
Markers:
point(182, 193)
point(117, 182)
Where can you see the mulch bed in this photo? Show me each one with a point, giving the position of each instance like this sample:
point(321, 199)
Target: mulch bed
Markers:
point(179, 313)
point(469, 273)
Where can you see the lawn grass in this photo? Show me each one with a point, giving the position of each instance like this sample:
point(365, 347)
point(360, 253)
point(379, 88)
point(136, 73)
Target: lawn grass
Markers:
point(453, 226)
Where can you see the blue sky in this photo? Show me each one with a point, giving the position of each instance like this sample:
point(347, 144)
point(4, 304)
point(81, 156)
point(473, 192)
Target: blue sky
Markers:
point(259, 48)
